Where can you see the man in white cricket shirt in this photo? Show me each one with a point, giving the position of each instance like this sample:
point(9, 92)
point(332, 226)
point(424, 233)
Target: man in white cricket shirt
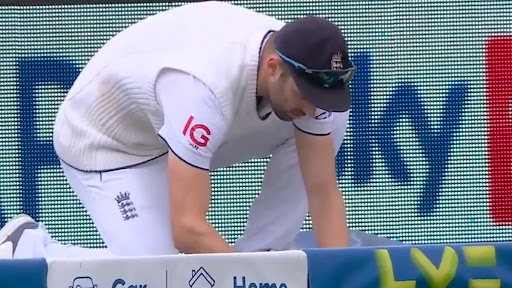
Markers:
point(184, 92)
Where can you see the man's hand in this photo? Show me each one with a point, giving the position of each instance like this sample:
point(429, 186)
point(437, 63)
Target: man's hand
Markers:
point(326, 205)
point(190, 199)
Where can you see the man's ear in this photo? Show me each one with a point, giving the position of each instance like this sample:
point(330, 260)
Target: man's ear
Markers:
point(272, 65)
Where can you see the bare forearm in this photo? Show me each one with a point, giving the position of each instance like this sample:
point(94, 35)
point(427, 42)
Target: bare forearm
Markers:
point(329, 220)
point(202, 238)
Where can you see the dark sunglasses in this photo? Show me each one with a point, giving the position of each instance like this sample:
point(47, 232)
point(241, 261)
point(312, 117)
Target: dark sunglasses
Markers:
point(324, 78)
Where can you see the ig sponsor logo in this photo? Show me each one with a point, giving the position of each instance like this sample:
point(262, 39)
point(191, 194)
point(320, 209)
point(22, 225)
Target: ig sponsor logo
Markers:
point(197, 133)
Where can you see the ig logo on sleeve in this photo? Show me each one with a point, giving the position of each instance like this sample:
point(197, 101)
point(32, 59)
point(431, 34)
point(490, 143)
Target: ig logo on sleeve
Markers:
point(197, 133)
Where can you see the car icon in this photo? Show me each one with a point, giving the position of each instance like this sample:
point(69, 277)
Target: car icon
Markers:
point(83, 282)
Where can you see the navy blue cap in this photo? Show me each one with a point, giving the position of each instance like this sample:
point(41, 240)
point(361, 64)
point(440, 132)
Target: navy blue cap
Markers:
point(317, 53)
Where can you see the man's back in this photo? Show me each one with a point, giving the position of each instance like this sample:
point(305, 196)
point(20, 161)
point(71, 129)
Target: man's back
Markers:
point(191, 26)
point(111, 115)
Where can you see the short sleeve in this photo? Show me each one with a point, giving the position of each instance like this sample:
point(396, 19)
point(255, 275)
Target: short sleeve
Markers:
point(194, 126)
point(321, 124)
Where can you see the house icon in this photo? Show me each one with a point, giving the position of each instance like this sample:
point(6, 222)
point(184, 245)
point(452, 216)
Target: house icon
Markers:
point(201, 279)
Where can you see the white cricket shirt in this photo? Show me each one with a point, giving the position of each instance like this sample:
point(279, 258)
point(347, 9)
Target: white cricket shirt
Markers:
point(184, 80)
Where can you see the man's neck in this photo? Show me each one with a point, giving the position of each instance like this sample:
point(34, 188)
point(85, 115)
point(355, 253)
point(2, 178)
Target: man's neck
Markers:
point(261, 84)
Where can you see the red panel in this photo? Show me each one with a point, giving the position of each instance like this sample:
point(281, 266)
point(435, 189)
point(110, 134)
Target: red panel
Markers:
point(499, 102)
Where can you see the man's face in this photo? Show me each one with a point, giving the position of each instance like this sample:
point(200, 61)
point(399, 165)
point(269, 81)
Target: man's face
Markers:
point(286, 100)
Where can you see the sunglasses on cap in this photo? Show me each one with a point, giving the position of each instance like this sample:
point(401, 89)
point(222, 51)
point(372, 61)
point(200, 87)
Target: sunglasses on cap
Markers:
point(324, 78)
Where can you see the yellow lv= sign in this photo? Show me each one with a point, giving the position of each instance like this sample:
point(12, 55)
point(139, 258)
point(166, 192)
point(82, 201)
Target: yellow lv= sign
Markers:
point(442, 276)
